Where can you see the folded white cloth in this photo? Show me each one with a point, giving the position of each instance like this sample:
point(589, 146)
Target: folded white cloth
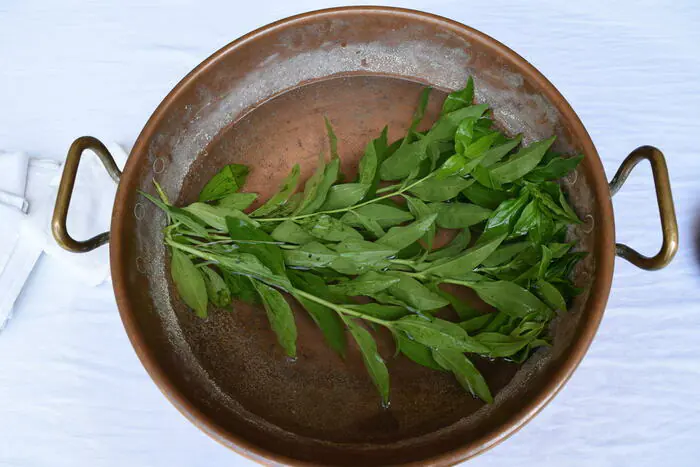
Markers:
point(25, 233)
point(89, 214)
point(17, 253)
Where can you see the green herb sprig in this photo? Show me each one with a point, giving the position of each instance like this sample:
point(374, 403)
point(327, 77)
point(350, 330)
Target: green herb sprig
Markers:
point(373, 237)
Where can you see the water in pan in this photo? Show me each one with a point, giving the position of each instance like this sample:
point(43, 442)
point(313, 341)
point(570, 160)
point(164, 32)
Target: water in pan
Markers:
point(319, 395)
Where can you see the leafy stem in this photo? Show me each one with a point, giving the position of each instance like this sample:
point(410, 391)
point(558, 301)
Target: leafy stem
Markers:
point(341, 309)
point(349, 208)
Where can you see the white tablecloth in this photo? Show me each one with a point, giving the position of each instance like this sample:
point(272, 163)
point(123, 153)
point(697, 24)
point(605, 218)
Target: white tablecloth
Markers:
point(72, 392)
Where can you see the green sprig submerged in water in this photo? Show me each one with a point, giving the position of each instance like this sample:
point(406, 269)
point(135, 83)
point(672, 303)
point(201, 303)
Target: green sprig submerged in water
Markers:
point(335, 242)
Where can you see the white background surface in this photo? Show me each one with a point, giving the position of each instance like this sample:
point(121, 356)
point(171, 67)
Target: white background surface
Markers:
point(72, 392)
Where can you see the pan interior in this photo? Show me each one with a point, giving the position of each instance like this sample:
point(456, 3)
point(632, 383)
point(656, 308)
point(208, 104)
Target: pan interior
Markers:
point(262, 103)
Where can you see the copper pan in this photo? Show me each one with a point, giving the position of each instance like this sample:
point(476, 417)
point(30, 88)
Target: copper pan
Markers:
point(260, 101)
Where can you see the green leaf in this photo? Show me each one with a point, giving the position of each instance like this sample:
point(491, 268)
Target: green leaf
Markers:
point(550, 295)
point(501, 345)
point(315, 285)
point(464, 134)
point(310, 255)
point(505, 216)
point(356, 256)
point(418, 114)
point(239, 201)
point(477, 149)
point(228, 180)
point(401, 237)
point(476, 323)
point(291, 232)
point(446, 126)
point(386, 298)
point(331, 229)
point(415, 294)
point(403, 160)
point(189, 283)
point(495, 154)
point(554, 169)
point(438, 333)
point(268, 253)
point(563, 266)
point(456, 246)
point(554, 190)
point(317, 186)
point(215, 216)
point(343, 196)
point(485, 197)
point(408, 156)
point(436, 190)
point(358, 220)
point(179, 215)
point(375, 153)
point(417, 352)
point(521, 163)
point(532, 222)
point(511, 299)
point(217, 290)
point(332, 139)
point(282, 197)
point(467, 261)
point(239, 263)
point(459, 215)
point(421, 210)
point(504, 253)
point(280, 316)
point(377, 310)
point(383, 214)
point(460, 98)
point(241, 287)
point(466, 373)
point(463, 310)
point(365, 284)
point(328, 321)
point(373, 361)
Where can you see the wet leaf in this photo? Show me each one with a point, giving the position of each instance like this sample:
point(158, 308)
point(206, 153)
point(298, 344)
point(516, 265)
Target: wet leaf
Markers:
point(417, 352)
point(373, 361)
point(511, 299)
point(459, 215)
point(466, 373)
point(383, 214)
point(217, 290)
point(399, 238)
point(438, 333)
point(343, 196)
point(239, 201)
point(381, 311)
point(215, 216)
point(415, 294)
point(228, 180)
point(280, 316)
point(554, 169)
point(521, 163)
point(291, 232)
point(365, 284)
point(440, 190)
point(460, 98)
point(189, 282)
point(268, 253)
point(281, 198)
point(330, 229)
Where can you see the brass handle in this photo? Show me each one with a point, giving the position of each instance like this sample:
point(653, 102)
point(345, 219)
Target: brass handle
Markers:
point(669, 226)
point(65, 191)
